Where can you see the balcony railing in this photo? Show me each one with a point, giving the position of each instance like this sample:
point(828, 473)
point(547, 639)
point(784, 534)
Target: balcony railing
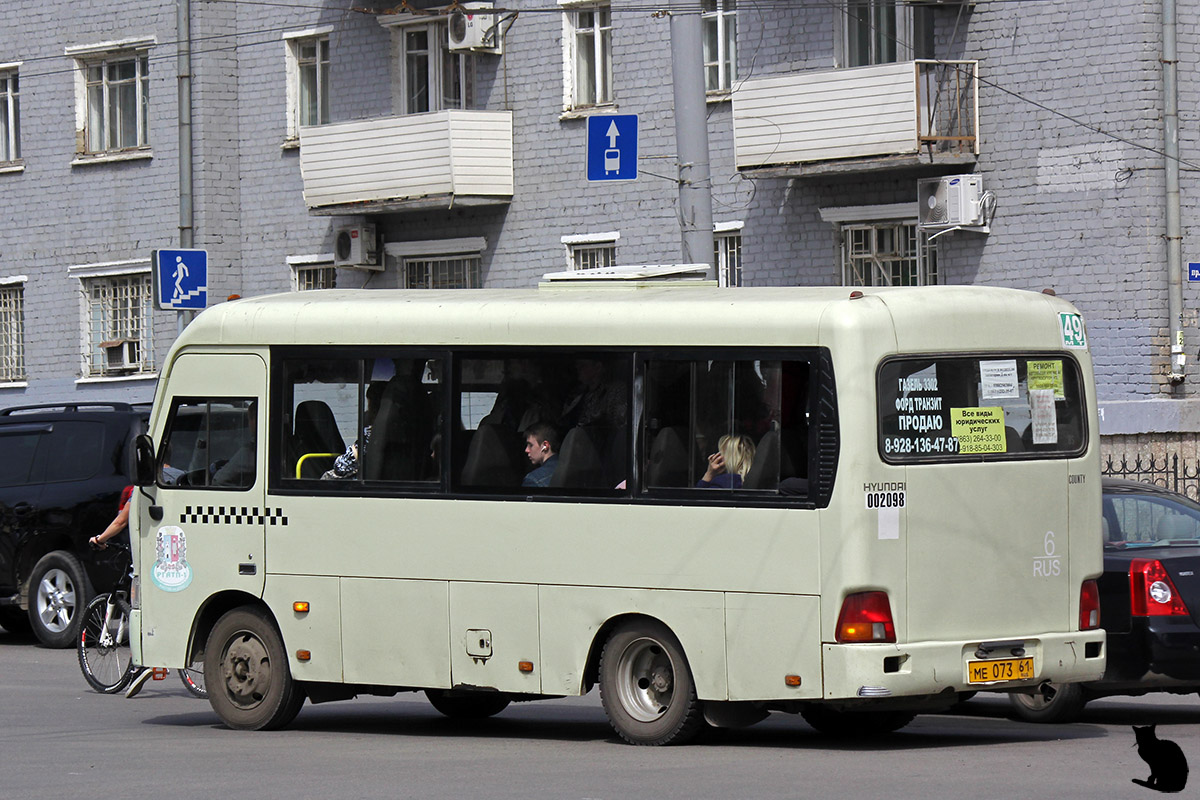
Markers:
point(906, 108)
point(441, 158)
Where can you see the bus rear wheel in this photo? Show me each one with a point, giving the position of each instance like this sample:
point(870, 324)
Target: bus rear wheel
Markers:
point(646, 686)
point(472, 705)
point(834, 722)
point(1056, 702)
point(249, 683)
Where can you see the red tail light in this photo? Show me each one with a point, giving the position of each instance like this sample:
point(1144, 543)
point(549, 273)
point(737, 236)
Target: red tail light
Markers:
point(1089, 606)
point(866, 617)
point(1151, 592)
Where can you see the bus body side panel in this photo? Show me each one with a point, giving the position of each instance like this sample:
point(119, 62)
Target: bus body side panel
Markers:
point(769, 637)
point(213, 537)
point(494, 627)
point(317, 630)
point(571, 616)
point(394, 632)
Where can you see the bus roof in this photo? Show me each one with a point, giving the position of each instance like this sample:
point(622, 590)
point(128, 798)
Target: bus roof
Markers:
point(924, 318)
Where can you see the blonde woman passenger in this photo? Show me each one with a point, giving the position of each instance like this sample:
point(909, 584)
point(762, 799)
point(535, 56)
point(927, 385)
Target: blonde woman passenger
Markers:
point(729, 465)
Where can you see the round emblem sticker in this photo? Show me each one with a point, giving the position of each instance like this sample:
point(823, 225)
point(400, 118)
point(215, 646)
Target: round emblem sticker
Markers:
point(171, 572)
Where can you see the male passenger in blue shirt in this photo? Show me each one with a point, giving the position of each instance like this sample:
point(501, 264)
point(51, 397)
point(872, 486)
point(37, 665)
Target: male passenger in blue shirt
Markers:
point(541, 445)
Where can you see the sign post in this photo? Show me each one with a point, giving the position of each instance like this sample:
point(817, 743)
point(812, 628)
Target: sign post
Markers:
point(612, 147)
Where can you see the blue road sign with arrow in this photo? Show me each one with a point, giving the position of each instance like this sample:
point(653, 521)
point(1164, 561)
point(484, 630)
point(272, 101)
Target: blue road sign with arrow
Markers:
point(612, 147)
point(181, 279)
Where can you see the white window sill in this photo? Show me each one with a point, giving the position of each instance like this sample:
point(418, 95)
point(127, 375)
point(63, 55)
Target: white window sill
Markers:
point(583, 112)
point(14, 385)
point(718, 96)
point(137, 376)
point(291, 143)
point(12, 166)
point(87, 159)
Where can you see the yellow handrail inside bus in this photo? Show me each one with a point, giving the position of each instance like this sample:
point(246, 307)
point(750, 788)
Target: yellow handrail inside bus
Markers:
point(306, 456)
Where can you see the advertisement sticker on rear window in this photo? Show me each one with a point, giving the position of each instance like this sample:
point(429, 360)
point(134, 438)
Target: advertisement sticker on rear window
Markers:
point(978, 430)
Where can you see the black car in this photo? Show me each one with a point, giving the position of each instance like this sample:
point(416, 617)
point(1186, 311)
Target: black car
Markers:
point(62, 470)
point(1149, 602)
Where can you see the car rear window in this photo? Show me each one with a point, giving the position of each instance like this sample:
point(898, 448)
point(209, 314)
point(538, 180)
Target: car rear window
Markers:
point(976, 408)
point(19, 443)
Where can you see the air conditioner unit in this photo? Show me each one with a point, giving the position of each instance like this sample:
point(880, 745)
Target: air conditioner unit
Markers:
point(950, 201)
point(121, 354)
point(356, 246)
point(472, 27)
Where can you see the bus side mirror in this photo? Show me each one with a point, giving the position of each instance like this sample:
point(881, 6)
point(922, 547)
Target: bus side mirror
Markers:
point(143, 460)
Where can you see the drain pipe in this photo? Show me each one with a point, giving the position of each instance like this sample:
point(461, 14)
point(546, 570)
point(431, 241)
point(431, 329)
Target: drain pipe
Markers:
point(183, 27)
point(1174, 228)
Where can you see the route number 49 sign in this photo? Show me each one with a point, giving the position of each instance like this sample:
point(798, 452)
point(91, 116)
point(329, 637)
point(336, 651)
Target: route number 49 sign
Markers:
point(1073, 336)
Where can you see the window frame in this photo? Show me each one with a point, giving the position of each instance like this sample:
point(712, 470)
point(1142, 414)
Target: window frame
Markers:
point(439, 58)
point(293, 42)
point(901, 42)
point(10, 110)
point(99, 143)
point(601, 67)
point(720, 15)
point(581, 246)
point(92, 358)
point(876, 258)
point(13, 369)
point(727, 253)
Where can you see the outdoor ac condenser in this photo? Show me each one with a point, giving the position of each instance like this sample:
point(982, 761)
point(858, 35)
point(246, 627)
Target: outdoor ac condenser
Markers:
point(950, 201)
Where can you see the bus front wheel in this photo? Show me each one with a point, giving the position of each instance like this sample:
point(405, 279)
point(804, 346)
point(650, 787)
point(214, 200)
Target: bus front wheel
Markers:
point(646, 686)
point(245, 666)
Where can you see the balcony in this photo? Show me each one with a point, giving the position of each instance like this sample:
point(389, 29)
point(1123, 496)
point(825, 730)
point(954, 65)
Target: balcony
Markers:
point(414, 162)
point(856, 120)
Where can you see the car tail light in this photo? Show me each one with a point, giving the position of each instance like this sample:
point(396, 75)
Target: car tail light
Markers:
point(1089, 606)
point(866, 617)
point(1151, 592)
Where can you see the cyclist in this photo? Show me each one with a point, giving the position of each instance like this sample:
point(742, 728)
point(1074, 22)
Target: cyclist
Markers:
point(119, 524)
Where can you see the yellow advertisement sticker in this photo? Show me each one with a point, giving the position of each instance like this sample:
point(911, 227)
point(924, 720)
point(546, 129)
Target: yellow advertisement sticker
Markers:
point(978, 430)
point(1046, 375)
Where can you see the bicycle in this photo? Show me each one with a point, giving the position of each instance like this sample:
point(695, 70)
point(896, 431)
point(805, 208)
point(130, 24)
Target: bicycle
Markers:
point(105, 657)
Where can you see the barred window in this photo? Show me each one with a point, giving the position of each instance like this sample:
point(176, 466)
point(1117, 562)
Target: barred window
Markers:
point(308, 278)
point(119, 340)
point(886, 254)
point(593, 256)
point(728, 258)
point(12, 333)
point(442, 272)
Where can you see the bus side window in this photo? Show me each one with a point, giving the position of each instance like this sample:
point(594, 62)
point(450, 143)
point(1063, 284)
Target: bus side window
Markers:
point(405, 445)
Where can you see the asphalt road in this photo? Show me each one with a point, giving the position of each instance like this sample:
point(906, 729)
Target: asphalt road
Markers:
point(60, 739)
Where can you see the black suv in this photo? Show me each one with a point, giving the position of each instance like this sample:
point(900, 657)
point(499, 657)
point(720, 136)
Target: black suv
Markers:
point(62, 470)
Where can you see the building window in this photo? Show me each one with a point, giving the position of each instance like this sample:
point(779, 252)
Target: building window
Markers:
point(12, 333)
point(10, 117)
point(316, 277)
point(887, 254)
point(117, 92)
point(312, 65)
point(588, 42)
point(727, 256)
point(442, 272)
point(591, 250)
point(432, 78)
point(720, 44)
point(118, 330)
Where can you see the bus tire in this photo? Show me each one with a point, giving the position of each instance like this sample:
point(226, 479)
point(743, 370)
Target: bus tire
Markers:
point(834, 722)
point(472, 705)
point(250, 685)
point(58, 593)
point(646, 686)
point(1065, 704)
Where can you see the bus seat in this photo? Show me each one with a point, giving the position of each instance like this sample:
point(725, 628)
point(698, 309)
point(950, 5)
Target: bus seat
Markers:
point(578, 461)
point(401, 434)
point(764, 472)
point(668, 461)
point(489, 460)
point(315, 431)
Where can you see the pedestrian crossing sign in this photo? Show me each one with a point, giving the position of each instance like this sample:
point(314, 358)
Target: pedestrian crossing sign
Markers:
point(181, 279)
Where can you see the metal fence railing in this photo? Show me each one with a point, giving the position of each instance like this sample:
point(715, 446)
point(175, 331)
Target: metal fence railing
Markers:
point(1166, 471)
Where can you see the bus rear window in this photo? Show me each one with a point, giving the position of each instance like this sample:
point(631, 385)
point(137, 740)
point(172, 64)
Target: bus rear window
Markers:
point(980, 408)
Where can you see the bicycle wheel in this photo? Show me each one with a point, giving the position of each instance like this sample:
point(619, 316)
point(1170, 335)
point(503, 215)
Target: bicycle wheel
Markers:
point(104, 654)
point(193, 678)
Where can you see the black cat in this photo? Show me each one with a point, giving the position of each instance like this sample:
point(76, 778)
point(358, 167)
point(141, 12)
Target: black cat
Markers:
point(1168, 766)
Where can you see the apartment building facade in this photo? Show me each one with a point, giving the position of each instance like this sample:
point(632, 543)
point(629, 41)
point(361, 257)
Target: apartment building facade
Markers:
point(408, 146)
